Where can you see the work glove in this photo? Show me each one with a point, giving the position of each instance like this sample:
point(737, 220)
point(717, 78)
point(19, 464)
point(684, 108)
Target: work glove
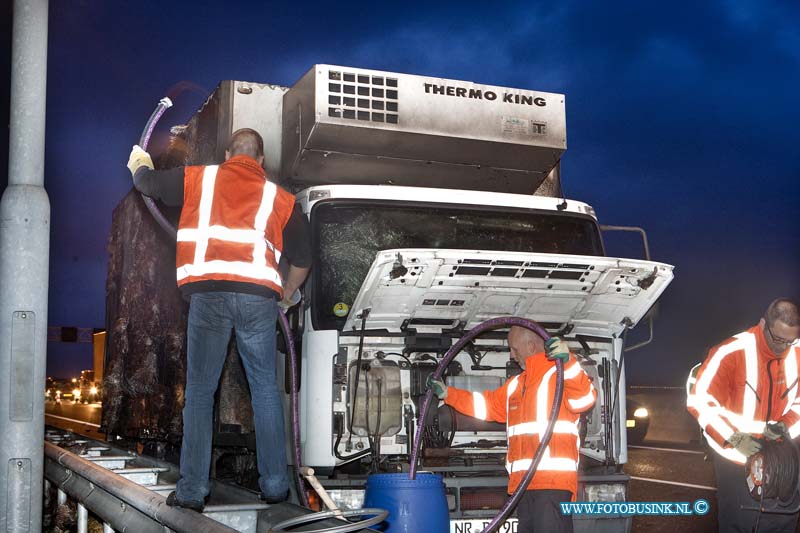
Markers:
point(291, 301)
point(438, 387)
point(744, 443)
point(774, 431)
point(556, 348)
point(139, 158)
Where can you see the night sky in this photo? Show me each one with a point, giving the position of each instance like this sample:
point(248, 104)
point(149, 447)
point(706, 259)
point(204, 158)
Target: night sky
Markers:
point(681, 118)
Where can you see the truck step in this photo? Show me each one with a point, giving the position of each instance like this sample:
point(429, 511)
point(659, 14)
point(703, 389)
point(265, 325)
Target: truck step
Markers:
point(241, 517)
point(146, 477)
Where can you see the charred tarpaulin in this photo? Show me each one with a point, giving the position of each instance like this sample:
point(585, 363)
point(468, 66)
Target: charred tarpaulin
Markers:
point(146, 351)
point(145, 365)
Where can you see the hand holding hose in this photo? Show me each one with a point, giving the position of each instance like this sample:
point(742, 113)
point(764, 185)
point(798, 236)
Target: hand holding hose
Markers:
point(775, 431)
point(289, 300)
point(139, 158)
point(438, 386)
point(135, 162)
point(745, 443)
point(556, 348)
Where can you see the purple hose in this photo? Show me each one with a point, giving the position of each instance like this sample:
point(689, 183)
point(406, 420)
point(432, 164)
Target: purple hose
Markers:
point(490, 324)
point(287, 334)
point(144, 140)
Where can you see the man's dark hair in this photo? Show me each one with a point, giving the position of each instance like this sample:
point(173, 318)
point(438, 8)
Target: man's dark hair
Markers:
point(782, 309)
point(246, 141)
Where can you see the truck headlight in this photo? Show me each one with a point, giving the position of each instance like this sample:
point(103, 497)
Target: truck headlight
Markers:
point(641, 413)
point(347, 498)
point(604, 492)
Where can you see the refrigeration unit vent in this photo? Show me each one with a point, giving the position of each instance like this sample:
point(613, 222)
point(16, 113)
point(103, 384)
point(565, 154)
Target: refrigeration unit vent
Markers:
point(362, 97)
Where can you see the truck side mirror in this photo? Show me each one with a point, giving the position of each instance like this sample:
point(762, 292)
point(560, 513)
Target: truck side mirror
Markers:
point(650, 317)
point(632, 229)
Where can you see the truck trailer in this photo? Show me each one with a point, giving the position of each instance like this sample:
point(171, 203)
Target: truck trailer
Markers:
point(434, 205)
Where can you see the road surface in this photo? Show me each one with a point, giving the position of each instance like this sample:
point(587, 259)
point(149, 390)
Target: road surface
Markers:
point(80, 418)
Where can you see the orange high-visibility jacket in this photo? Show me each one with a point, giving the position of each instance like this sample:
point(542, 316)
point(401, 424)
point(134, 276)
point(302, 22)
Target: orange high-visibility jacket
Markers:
point(231, 225)
point(524, 404)
point(741, 386)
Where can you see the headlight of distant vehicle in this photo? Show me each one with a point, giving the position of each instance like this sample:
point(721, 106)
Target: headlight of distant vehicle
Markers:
point(76, 393)
point(93, 392)
point(637, 421)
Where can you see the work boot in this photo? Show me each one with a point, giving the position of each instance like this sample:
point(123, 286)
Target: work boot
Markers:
point(274, 499)
point(173, 501)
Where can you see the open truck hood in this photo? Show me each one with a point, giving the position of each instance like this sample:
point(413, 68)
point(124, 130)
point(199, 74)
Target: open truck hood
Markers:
point(437, 290)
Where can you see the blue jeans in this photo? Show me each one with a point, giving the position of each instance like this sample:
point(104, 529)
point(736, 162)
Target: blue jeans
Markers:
point(212, 315)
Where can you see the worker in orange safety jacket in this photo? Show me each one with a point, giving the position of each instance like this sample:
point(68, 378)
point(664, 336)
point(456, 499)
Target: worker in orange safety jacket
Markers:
point(524, 403)
point(235, 226)
point(746, 391)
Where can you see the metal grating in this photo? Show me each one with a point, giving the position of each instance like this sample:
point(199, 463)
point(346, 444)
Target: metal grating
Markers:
point(485, 499)
point(362, 97)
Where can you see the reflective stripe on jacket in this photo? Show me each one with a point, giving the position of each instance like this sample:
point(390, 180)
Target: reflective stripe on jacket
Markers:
point(231, 225)
point(741, 387)
point(524, 403)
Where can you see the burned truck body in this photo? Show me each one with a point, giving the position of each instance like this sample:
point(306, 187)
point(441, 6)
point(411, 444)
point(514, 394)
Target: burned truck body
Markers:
point(434, 205)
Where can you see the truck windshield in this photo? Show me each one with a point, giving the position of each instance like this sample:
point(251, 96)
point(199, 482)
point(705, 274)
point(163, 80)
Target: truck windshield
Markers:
point(349, 234)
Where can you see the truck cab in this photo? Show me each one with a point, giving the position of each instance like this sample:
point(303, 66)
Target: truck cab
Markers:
point(435, 205)
point(400, 274)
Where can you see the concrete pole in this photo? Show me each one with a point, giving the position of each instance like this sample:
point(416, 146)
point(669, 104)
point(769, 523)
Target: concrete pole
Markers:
point(24, 258)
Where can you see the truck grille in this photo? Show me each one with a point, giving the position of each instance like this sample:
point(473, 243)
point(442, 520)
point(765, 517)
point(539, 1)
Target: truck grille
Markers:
point(483, 499)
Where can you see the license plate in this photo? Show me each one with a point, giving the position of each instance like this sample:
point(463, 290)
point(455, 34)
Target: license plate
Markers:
point(630, 423)
point(476, 525)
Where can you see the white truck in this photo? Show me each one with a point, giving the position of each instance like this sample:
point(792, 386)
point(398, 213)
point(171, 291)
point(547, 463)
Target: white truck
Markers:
point(434, 205)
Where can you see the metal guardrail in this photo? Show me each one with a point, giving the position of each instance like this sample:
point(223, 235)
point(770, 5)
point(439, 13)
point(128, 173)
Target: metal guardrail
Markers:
point(126, 492)
point(121, 504)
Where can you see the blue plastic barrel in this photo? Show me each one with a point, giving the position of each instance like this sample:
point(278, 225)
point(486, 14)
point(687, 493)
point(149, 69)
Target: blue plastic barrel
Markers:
point(415, 506)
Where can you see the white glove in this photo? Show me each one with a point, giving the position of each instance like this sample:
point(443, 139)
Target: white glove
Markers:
point(139, 158)
point(286, 303)
point(745, 443)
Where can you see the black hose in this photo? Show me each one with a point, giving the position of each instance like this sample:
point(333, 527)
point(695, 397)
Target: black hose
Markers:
point(621, 366)
point(295, 402)
point(346, 458)
point(373, 438)
point(781, 475)
point(364, 315)
point(381, 355)
point(377, 438)
point(495, 323)
point(366, 417)
point(144, 140)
